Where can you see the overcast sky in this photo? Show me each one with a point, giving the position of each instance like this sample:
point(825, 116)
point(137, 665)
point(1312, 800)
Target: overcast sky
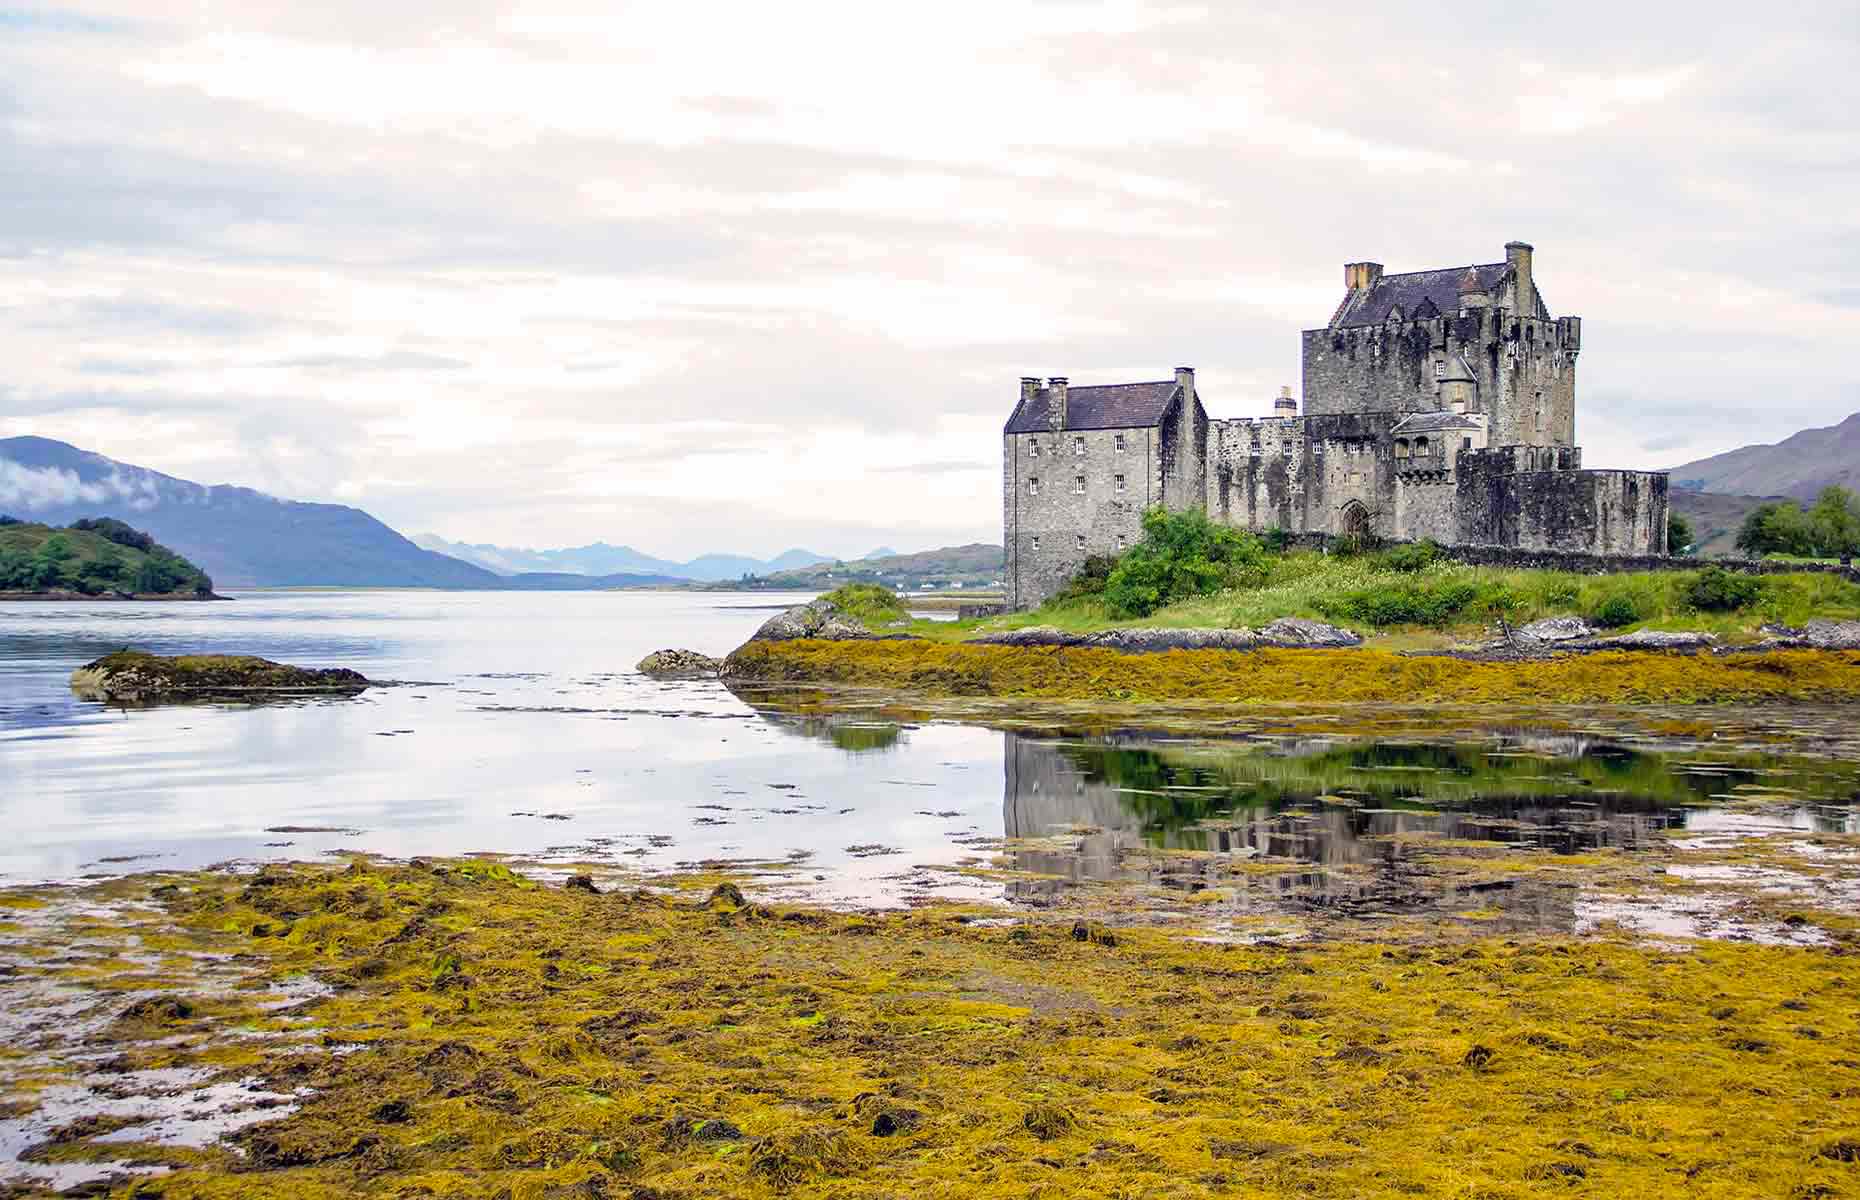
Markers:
point(738, 277)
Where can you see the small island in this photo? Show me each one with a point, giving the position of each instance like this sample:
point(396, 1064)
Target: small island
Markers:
point(135, 677)
point(97, 559)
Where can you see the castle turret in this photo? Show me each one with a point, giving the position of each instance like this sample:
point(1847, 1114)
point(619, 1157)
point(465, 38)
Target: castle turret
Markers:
point(1459, 388)
point(1285, 406)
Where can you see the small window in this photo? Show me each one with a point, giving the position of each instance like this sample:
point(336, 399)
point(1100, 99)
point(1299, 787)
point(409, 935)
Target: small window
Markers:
point(1033, 485)
point(1078, 485)
point(1117, 443)
point(1440, 369)
point(1078, 446)
point(1466, 443)
point(1120, 483)
point(1420, 447)
point(1036, 542)
point(1120, 541)
point(1081, 541)
point(1033, 449)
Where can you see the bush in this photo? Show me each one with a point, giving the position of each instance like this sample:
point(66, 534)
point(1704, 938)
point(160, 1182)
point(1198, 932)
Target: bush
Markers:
point(1415, 556)
point(1435, 603)
point(1277, 539)
point(1717, 590)
point(1679, 535)
point(867, 602)
point(1615, 612)
point(1090, 580)
point(1350, 545)
point(1182, 554)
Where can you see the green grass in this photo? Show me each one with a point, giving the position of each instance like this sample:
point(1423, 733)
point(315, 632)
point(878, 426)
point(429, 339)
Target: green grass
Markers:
point(1307, 584)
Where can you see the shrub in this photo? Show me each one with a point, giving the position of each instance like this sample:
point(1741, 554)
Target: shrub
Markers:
point(1182, 554)
point(1277, 539)
point(1679, 535)
point(1434, 603)
point(1717, 590)
point(1615, 612)
point(867, 602)
point(1090, 580)
point(1415, 556)
point(1350, 545)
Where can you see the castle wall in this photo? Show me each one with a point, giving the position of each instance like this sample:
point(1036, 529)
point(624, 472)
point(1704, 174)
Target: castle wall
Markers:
point(1524, 368)
point(1302, 474)
point(1537, 499)
point(1080, 508)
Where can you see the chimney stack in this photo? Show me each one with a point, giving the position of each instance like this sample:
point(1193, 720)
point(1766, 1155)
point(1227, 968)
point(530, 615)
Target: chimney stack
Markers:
point(1185, 379)
point(1518, 254)
point(1029, 385)
point(1285, 406)
point(1361, 275)
point(1056, 403)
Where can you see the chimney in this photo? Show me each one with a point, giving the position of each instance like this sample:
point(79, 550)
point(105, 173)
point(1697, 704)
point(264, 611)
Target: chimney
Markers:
point(1518, 254)
point(1029, 384)
point(1185, 379)
point(1361, 275)
point(1056, 403)
point(1285, 406)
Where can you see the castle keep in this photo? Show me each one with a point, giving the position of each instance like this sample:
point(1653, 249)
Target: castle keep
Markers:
point(1438, 404)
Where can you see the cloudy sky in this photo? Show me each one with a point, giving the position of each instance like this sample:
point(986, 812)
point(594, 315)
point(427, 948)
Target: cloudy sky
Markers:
point(701, 276)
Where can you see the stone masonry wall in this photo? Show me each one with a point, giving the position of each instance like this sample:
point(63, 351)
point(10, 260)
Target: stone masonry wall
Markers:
point(1050, 532)
point(1525, 369)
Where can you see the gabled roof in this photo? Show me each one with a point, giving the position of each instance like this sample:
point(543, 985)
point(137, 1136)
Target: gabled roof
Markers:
point(1412, 289)
point(1435, 422)
point(1114, 406)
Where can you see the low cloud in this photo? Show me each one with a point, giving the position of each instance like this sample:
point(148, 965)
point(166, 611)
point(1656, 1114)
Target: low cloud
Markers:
point(33, 489)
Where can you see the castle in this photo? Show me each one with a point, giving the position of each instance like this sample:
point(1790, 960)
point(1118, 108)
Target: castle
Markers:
point(1438, 404)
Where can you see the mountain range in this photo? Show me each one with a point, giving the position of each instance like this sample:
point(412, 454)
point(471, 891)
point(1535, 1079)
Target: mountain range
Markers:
point(599, 558)
point(1799, 466)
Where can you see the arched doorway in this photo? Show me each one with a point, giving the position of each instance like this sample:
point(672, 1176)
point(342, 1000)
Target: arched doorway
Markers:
point(1353, 521)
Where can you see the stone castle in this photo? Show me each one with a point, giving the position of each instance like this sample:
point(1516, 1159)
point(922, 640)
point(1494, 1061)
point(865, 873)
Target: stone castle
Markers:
point(1438, 404)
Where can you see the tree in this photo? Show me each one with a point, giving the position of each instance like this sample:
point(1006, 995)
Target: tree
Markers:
point(1776, 527)
point(1182, 554)
point(157, 578)
point(1679, 535)
point(107, 568)
point(1835, 523)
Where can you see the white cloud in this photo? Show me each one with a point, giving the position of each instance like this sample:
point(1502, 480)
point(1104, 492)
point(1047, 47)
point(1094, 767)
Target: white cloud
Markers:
point(29, 489)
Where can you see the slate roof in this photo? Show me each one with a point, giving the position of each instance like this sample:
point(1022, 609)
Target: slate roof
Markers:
point(1412, 289)
point(1435, 422)
point(1114, 406)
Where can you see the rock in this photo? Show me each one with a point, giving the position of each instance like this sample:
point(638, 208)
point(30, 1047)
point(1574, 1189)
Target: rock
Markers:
point(1647, 639)
point(131, 676)
point(1832, 635)
point(815, 619)
point(680, 664)
point(1033, 635)
point(1151, 641)
point(1556, 629)
point(1296, 631)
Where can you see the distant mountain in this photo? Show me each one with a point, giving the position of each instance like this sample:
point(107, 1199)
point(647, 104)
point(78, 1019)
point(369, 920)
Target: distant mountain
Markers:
point(603, 559)
point(976, 565)
point(881, 552)
point(561, 581)
point(1799, 465)
point(1715, 520)
point(242, 538)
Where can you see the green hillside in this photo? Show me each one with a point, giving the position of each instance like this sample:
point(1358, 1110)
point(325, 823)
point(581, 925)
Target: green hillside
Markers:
point(972, 566)
point(96, 557)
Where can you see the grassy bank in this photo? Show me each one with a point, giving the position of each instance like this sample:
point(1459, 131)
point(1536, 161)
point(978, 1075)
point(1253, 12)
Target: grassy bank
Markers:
point(1441, 600)
point(501, 1039)
point(1298, 676)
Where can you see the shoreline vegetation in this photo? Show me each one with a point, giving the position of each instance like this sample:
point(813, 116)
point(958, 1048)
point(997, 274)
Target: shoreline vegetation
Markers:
point(97, 559)
point(1230, 618)
point(137, 677)
point(452, 1029)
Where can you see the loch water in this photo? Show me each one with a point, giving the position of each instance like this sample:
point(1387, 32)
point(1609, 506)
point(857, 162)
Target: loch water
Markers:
point(517, 726)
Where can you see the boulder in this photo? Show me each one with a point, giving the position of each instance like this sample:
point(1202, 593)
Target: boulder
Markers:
point(131, 676)
point(1647, 639)
point(1832, 635)
point(680, 664)
point(1556, 629)
point(1296, 631)
point(815, 619)
point(1151, 641)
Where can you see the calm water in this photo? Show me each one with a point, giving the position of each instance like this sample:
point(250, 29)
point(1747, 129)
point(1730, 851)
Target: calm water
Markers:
point(524, 730)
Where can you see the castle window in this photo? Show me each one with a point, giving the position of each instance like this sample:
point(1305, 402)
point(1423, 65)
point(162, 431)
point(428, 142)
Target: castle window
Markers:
point(1033, 449)
point(1078, 485)
point(1036, 541)
point(1401, 447)
point(1078, 446)
point(1120, 483)
point(1466, 443)
point(1440, 369)
point(1117, 443)
point(1033, 485)
point(1081, 541)
point(1120, 541)
point(1420, 446)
